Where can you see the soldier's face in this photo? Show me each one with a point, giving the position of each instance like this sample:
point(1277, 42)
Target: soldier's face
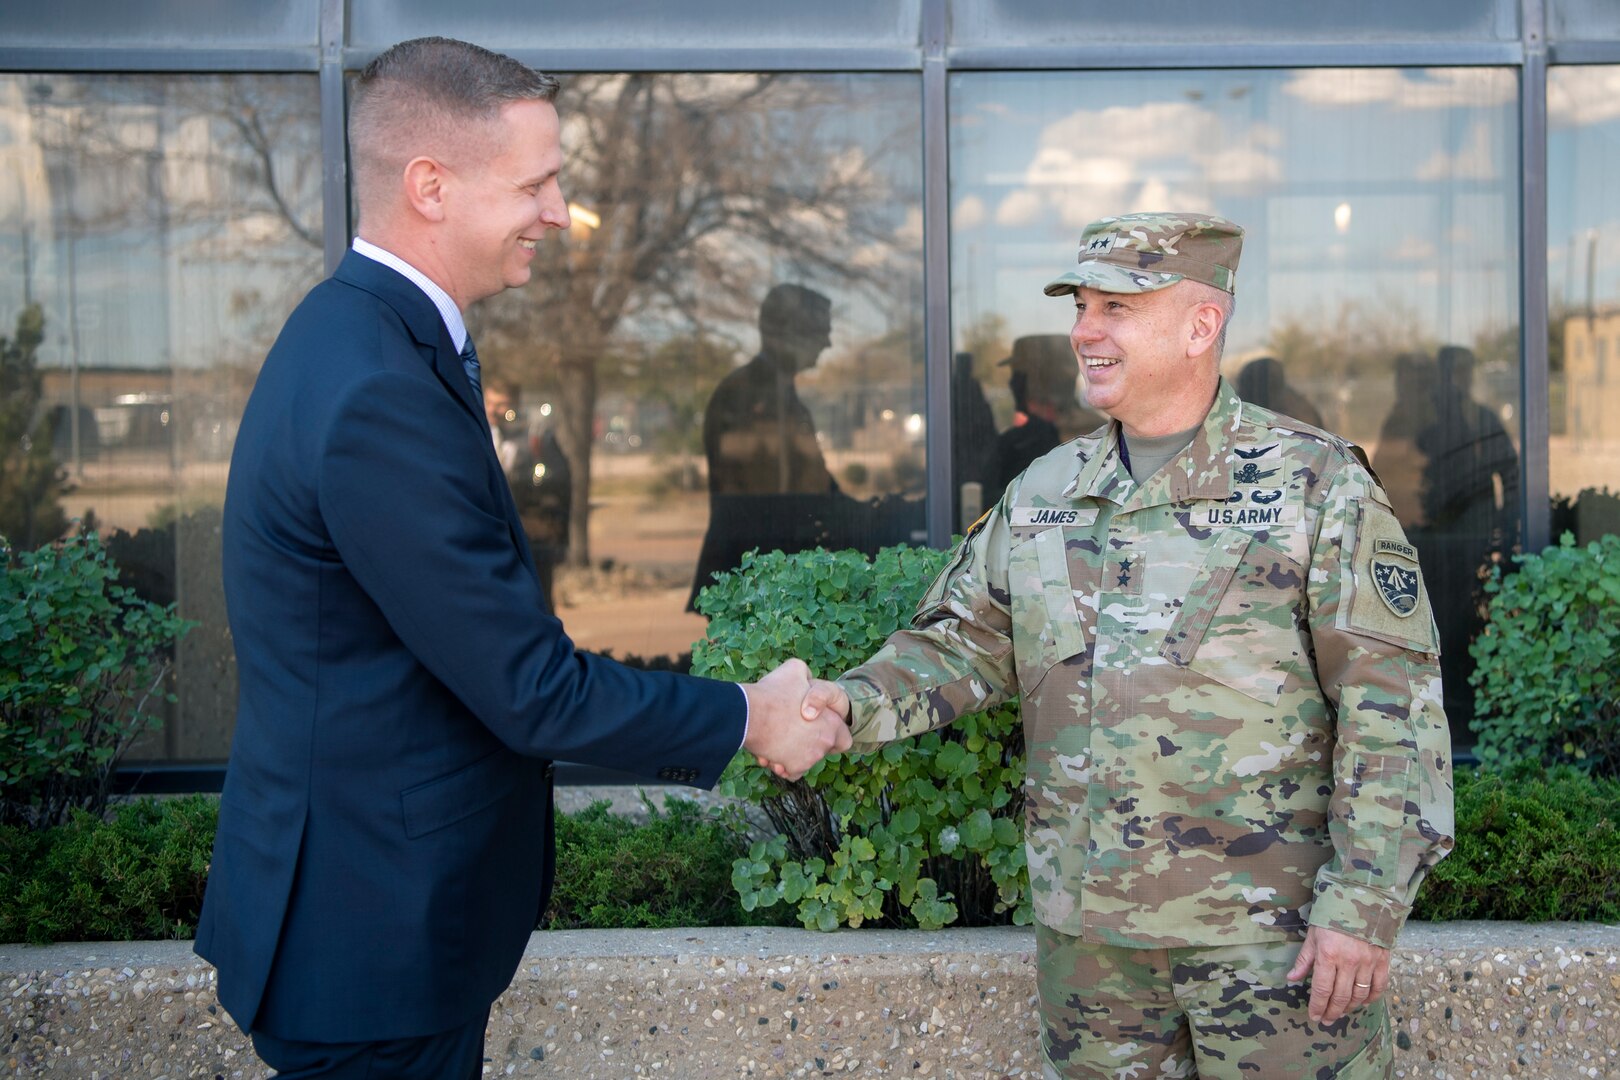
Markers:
point(1132, 353)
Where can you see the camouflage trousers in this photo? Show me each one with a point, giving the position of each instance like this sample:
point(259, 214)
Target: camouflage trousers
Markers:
point(1111, 1013)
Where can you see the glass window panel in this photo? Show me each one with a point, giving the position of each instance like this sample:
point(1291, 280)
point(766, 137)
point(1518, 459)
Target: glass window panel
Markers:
point(1583, 20)
point(162, 228)
point(107, 23)
point(663, 417)
point(1378, 288)
point(1064, 22)
point(1583, 285)
point(634, 24)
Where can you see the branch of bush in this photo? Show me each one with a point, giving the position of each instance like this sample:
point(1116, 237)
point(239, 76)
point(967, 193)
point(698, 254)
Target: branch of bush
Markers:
point(82, 659)
point(925, 833)
point(1545, 683)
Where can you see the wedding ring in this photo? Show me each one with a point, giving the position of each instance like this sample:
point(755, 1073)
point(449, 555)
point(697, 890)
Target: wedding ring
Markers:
point(1363, 986)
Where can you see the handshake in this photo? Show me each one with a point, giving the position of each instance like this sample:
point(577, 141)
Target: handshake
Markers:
point(794, 721)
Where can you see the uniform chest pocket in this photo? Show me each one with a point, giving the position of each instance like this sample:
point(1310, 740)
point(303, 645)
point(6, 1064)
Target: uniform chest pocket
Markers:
point(1238, 624)
point(1048, 622)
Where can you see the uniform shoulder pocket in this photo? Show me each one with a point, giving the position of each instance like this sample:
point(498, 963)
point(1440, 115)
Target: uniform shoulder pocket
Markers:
point(1049, 624)
point(1388, 599)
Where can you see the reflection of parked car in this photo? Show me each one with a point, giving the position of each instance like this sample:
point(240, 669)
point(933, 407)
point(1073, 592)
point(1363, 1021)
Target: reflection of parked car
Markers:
point(213, 432)
point(137, 421)
point(61, 420)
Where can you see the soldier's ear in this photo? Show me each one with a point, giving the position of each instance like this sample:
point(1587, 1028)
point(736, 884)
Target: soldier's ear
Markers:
point(1205, 322)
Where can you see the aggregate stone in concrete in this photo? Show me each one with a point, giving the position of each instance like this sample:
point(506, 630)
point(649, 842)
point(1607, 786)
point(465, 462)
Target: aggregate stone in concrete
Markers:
point(1482, 1000)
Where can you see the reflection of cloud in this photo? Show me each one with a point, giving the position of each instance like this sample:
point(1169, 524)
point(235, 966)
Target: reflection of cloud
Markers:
point(1413, 249)
point(909, 233)
point(1431, 88)
point(1022, 207)
point(1155, 156)
point(1471, 162)
point(1577, 96)
point(1241, 165)
point(969, 213)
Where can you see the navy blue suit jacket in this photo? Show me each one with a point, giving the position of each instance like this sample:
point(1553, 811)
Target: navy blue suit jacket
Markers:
point(384, 840)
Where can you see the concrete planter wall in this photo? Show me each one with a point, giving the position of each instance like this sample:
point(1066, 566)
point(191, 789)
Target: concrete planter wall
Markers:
point(1484, 1000)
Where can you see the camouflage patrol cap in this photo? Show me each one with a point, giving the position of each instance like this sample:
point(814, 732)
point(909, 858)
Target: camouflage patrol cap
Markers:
point(1138, 253)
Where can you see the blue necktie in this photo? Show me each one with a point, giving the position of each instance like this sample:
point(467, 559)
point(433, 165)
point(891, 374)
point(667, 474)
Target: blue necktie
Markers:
point(469, 364)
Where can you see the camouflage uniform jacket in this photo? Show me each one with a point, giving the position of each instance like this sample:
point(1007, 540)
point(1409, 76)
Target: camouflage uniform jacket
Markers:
point(1229, 678)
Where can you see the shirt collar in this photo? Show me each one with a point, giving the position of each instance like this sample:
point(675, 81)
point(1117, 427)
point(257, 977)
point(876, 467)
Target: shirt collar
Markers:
point(448, 311)
point(1199, 472)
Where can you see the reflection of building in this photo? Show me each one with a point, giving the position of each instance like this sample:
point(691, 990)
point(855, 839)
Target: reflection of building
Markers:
point(1592, 380)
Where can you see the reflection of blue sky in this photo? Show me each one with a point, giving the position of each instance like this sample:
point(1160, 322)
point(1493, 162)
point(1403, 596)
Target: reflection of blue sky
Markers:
point(1424, 161)
point(1583, 196)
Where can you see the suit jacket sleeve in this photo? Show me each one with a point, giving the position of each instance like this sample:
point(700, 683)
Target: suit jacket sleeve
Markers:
point(408, 488)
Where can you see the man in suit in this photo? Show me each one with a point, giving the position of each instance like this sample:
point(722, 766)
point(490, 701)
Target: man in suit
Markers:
point(384, 844)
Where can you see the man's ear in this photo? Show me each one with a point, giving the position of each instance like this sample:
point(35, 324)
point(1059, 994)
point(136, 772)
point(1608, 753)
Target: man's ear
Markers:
point(425, 181)
point(1205, 329)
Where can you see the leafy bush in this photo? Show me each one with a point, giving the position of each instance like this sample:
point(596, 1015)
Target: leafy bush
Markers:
point(674, 869)
point(1546, 687)
point(926, 832)
point(31, 481)
point(137, 876)
point(1532, 845)
point(81, 657)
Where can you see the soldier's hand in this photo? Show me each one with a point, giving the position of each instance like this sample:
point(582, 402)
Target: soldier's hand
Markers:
point(779, 736)
point(826, 699)
point(1346, 972)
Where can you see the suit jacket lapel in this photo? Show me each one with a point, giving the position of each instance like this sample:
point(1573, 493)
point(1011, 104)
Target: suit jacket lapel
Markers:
point(427, 328)
point(420, 317)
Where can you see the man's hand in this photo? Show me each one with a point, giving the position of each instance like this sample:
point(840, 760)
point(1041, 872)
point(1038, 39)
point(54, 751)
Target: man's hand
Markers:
point(826, 699)
point(780, 737)
point(1349, 973)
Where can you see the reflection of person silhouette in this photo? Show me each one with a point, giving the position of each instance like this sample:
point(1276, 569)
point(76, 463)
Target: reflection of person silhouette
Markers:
point(1470, 502)
point(1399, 462)
point(537, 472)
point(760, 439)
point(973, 433)
point(1262, 382)
point(1042, 383)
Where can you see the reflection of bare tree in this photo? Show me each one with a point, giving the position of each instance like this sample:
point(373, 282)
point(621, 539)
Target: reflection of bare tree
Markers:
point(276, 155)
point(150, 152)
point(708, 189)
point(199, 199)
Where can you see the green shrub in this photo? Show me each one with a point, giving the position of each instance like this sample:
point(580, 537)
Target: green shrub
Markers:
point(31, 482)
point(81, 657)
point(926, 832)
point(1532, 845)
point(138, 876)
point(1546, 687)
point(672, 870)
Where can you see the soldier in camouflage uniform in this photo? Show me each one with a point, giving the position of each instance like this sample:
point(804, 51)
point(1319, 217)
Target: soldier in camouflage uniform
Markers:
point(1230, 691)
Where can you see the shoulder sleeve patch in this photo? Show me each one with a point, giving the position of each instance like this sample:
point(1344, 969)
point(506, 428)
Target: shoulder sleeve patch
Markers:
point(1388, 598)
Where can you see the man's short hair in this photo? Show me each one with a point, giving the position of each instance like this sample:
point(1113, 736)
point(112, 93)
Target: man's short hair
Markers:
point(424, 97)
point(794, 309)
